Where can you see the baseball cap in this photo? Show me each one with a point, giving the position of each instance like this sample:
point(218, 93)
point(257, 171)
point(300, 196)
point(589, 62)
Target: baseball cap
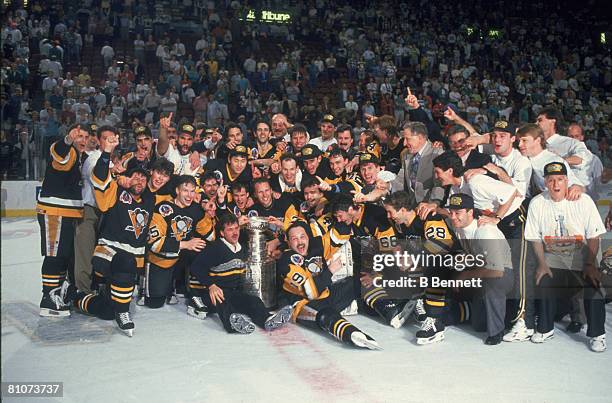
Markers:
point(239, 150)
point(310, 151)
point(555, 168)
point(329, 118)
point(142, 131)
point(187, 129)
point(460, 201)
point(503, 126)
point(365, 158)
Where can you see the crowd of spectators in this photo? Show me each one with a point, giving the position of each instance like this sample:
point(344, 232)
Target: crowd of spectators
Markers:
point(350, 59)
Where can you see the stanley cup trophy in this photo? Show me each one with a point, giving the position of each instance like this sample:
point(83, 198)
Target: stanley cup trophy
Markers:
point(260, 277)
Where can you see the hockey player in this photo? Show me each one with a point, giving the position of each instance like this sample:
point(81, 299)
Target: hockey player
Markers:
point(59, 206)
point(219, 268)
point(176, 225)
point(127, 212)
point(438, 238)
point(306, 283)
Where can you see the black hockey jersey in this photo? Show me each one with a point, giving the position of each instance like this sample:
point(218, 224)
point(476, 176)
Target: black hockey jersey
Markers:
point(169, 226)
point(307, 277)
point(283, 208)
point(125, 219)
point(222, 172)
point(219, 264)
point(372, 221)
point(437, 235)
point(61, 189)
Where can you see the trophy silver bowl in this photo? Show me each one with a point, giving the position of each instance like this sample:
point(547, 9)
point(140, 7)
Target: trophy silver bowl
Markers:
point(260, 277)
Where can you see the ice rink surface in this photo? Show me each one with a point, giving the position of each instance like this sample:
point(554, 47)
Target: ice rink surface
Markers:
point(176, 358)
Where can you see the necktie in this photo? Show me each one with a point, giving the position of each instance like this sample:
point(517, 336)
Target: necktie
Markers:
point(414, 167)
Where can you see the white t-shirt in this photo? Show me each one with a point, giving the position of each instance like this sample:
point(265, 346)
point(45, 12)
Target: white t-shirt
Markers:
point(517, 167)
point(488, 193)
point(566, 146)
point(539, 162)
point(323, 144)
point(182, 165)
point(564, 228)
point(486, 240)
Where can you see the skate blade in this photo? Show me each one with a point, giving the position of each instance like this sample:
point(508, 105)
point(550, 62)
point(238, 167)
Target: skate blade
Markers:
point(192, 312)
point(399, 319)
point(397, 322)
point(128, 332)
point(372, 345)
point(280, 318)
point(51, 313)
point(430, 340)
point(241, 324)
point(360, 340)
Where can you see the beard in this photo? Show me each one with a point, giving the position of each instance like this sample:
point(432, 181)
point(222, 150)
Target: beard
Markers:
point(136, 190)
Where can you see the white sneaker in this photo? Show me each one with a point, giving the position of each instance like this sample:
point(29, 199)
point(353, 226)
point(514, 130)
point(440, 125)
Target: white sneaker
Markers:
point(519, 332)
point(598, 344)
point(542, 337)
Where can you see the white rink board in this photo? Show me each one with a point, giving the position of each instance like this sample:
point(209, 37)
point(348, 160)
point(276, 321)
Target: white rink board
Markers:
point(176, 358)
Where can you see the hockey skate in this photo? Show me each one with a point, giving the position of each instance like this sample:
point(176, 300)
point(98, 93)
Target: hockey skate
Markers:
point(432, 331)
point(398, 320)
point(125, 323)
point(419, 310)
point(362, 340)
point(139, 291)
point(196, 308)
point(68, 293)
point(52, 305)
point(279, 318)
point(172, 299)
point(241, 323)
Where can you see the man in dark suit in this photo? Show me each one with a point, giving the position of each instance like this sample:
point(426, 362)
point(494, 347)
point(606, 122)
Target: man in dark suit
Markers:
point(471, 158)
point(416, 175)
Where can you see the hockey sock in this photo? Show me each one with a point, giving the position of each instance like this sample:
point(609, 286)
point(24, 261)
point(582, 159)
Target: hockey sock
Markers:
point(53, 273)
point(435, 301)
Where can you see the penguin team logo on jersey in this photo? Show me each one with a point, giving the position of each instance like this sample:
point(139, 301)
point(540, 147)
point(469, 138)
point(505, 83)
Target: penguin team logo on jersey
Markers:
point(327, 220)
point(304, 207)
point(254, 153)
point(314, 264)
point(297, 259)
point(165, 210)
point(125, 197)
point(237, 211)
point(181, 227)
point(218, 176)
point(139, 219)
point(252, 213)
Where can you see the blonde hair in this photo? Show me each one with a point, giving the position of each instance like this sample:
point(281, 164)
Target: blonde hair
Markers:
point(532, 130)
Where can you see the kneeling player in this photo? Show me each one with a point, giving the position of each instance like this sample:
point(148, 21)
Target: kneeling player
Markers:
point(438, 239)
point(306, 280)
point(122, 237)
point(220, 268)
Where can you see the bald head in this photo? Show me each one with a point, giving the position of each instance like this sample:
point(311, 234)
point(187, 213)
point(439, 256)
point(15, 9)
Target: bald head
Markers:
point(575, 131)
